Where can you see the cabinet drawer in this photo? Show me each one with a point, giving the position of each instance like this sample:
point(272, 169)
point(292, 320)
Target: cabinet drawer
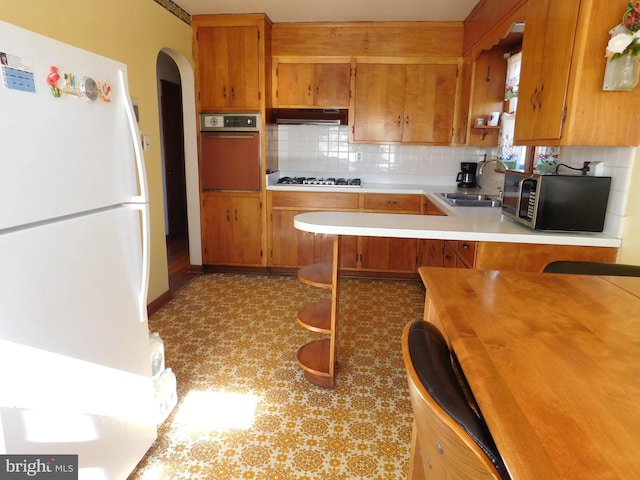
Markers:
point(394, 202)
point(467, 252)
point(319, 201)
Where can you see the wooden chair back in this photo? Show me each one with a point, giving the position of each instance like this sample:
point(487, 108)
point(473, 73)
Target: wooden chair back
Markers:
point(592, 268)
point(443, 448)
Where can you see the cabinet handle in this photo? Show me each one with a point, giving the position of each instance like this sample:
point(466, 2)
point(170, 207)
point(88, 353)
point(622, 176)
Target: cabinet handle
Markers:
point(317, 90)
point(309, 91)
point(236, 214)
point(407, 121)
point(532, 97)
point(392, 202)
point(233, 92)
point(465, 246)
point(228, 214)
point(224, 91)
point(399, 120)
point(538, 96)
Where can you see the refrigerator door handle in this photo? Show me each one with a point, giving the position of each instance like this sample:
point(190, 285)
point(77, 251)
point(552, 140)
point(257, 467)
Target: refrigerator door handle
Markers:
point(143, 196)
point(146, 258)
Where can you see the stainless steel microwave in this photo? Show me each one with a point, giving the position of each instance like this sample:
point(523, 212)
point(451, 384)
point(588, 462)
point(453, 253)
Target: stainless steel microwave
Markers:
point(556, 202)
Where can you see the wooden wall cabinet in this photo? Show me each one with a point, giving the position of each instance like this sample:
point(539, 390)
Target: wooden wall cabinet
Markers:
point(231, 229)
point(412, 103)
point(228, 61)
point(312, 84)
point(561, 98)
point(231, 56)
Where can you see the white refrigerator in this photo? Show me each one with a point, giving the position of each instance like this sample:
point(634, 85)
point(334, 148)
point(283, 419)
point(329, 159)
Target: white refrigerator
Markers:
point(75, 370)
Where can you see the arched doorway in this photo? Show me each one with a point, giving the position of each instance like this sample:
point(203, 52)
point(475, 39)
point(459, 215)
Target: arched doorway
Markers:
point(176, 104)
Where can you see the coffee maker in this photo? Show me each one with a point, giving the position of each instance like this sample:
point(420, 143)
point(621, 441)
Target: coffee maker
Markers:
point(467, 176)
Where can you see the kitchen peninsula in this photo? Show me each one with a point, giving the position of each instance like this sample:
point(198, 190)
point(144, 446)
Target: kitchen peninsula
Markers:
point(497, 242)
point(480, 236)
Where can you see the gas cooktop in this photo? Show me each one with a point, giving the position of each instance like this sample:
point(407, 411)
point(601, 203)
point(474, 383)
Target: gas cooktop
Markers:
point(320, 182)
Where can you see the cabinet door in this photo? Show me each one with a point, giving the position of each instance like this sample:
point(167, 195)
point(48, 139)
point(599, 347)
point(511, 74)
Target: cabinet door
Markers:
point(450, 258)
point(213, 61)
point(247, 231)
point(389, 254)
point(332, 84)
point(379, 102)
point(324, 85)
point(243, 67)
point(231, 232)
point(429, 103)
point(546, 61)
point(290, 247)
point(432, 253)
point(217, 230)
point(295, 84)
point(228, 65)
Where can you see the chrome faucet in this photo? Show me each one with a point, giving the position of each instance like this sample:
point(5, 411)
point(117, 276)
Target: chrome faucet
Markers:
point(484, 163)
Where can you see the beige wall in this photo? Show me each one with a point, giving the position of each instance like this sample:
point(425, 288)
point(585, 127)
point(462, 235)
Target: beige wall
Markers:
point(132, 32)
point(630, 251)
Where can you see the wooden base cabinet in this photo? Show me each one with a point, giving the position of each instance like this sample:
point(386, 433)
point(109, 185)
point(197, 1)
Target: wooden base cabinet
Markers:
point(231, 229)
point(459, 254)
point(293, 248)
point(290, 247)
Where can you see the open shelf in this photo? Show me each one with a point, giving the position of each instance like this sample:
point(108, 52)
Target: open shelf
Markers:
point(484, 130)
point(315, 360)
point(317, 275)
point(316, 316)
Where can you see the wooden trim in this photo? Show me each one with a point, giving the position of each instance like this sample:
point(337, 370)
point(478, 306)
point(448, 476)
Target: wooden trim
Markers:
point(158, 303)
point(489, 22)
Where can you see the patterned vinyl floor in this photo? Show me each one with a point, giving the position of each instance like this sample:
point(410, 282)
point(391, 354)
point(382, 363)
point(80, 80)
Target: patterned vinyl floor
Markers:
point(245, 410)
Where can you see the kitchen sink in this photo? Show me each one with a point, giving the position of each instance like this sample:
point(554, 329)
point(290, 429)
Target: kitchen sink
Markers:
point(471, 200)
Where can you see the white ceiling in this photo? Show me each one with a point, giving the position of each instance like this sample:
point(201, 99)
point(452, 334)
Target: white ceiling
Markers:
point(280, 11)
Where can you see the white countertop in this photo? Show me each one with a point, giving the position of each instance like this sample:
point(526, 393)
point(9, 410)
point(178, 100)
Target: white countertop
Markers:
point(462, 223)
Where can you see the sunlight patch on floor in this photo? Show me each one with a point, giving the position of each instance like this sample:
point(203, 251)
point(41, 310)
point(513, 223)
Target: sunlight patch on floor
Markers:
point(218, 411)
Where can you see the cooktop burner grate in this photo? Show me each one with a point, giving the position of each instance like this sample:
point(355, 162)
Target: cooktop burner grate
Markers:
point(320, 182)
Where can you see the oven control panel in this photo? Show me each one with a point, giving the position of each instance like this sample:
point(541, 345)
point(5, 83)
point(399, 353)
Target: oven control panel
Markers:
point(229, 122)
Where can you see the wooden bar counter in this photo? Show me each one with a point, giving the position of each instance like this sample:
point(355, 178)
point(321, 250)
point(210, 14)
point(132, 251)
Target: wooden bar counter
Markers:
point(554, 363)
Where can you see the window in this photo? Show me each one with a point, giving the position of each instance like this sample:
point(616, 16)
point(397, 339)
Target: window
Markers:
point(512, 156)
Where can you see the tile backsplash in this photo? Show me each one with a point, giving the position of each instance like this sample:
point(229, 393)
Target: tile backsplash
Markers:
point(325, 150)
point(322, 150)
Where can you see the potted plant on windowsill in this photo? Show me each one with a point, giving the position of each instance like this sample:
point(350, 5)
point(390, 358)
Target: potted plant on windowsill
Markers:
point(623, 62)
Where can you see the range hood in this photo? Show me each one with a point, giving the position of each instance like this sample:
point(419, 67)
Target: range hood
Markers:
point(310, 116)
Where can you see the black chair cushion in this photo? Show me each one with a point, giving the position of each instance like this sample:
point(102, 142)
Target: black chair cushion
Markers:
point(431, 359)
point(592, 268)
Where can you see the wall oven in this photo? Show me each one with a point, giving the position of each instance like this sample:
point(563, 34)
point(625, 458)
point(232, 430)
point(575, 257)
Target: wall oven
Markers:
point(556, 202)
point(230, 151)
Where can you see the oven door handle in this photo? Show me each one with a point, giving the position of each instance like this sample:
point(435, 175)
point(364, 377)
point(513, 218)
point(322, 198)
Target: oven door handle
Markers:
point(226, 135)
